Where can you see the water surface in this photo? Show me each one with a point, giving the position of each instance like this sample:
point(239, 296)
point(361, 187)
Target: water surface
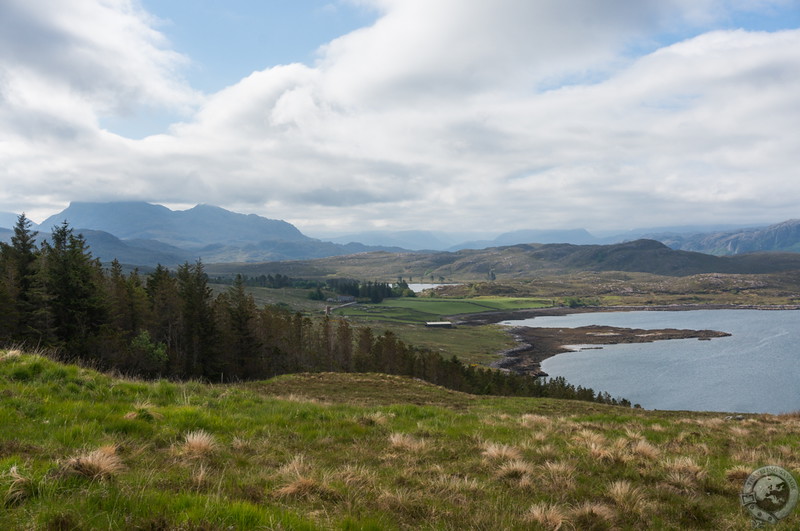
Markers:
point(755, 370)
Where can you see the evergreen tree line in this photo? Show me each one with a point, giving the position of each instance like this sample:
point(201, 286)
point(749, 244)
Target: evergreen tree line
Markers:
point(373, 291)
point(263, 281)
point(164, 324)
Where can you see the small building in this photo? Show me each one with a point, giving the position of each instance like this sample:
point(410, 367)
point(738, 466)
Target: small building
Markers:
point(439, 324)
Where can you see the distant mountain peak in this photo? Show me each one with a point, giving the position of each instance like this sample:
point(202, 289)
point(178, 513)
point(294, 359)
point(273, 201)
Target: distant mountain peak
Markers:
point(198, 226)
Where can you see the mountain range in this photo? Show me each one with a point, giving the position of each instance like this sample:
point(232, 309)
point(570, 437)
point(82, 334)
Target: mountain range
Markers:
point(145, 234)
point(523, 261)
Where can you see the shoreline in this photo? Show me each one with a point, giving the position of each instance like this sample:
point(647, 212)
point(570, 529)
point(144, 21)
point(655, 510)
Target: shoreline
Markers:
point(538, 344)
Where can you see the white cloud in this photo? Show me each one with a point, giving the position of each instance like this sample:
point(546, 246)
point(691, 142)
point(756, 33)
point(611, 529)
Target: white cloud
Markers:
point(449, 114)
point(87, 58)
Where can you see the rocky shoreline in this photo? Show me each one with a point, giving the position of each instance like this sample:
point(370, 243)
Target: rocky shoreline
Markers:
point(538, 344)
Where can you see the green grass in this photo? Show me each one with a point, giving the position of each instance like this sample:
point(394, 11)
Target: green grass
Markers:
point(473, 344)
point(422, 309)
point(363, 451)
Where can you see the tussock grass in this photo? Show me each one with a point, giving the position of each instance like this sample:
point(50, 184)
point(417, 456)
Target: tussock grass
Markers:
point(629, 499)
point(198, 444)
point(21, 488)
point(533, 421)
point(500, 452)
point(592, 515)
point(297, 468)
point(303, 488)
point(515, 470)
point(404, 441)
point(645, 450)
point(368, 452)
point(547, 515)
point(101, 464)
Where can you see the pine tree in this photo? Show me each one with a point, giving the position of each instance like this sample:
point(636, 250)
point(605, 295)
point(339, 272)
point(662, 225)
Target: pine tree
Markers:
point(237, 312)
point(21, 289)
point(74, 283)
point(164, 315)
point(197, 332)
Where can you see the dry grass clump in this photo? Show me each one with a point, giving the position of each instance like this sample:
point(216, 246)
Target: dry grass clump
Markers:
point(516, 469)
point(297, 468)
point(557, 476)
point(633, 434)
point(299, 488)
point(102, 464)
point(500, 452)
point(300, 484)
point(739, 431)
point(241, 444)
point(403, 441)
point(686, 465)
point(456, 483)
point(547, 515)
point(599, 452)
point(645, 450)
point(11, 353)
point(356, 476)
point(588, 437)
point(530, 420)
point(21, 488)
point(198, 444)
point(712, 422)
point(547, 451)
point(738, 474)
point(628, 498)
point(684, 473)
point(592, 515)
point(143, 411)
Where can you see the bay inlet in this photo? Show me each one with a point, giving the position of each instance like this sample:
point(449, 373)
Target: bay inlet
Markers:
point(754, 370)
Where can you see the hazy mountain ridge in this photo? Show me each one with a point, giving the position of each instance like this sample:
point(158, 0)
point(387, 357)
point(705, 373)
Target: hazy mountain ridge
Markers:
point(783, 236)
point(523, 261)
point(140, 233)
point(196, 227)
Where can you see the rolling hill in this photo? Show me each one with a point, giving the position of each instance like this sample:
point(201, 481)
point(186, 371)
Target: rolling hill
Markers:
point(521, 261)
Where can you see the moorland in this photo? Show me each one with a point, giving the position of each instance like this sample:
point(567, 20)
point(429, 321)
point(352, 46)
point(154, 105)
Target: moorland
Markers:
point(201, 398)
point(85, 450)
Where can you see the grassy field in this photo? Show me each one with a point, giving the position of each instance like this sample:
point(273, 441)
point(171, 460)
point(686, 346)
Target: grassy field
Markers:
point(83, 450)
point(474, 344)
point(405, 317)
point(422, 309)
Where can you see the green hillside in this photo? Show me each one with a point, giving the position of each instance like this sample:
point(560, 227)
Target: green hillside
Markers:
point(84, 450)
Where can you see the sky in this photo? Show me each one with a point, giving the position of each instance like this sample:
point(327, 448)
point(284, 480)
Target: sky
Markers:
point(342, 116)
